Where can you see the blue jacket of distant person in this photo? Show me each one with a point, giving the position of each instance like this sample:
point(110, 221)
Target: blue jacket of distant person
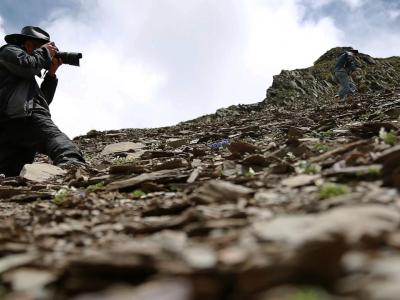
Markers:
point(346, 62)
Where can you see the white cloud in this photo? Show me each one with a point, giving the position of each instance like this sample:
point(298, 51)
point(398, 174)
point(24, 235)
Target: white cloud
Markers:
point(278, 39)
point(2, 32)
point(394, 14)
point(354, 4)
point(145, 63)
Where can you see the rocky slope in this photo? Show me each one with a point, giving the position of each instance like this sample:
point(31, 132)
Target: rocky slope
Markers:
point(291, 198)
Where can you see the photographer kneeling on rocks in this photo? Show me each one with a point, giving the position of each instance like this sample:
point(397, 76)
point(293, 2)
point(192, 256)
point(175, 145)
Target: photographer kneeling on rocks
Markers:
point(26, 127)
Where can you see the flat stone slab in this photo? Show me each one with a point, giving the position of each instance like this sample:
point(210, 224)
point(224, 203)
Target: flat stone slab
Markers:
point(40, 172)
point(300, 180)
point(122, 147)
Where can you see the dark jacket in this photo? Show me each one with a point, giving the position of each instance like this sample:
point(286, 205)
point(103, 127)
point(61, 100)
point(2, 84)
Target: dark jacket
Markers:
point(20, 94)
point(345, 62)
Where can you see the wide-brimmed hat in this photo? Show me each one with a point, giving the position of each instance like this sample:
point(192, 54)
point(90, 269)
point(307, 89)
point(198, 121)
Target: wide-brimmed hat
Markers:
point(28, 32)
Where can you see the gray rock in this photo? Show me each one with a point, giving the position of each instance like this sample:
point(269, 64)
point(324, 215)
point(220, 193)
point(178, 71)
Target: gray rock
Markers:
point(122, 147)
point(355, 225)
point(218, 191)
point(40, 172)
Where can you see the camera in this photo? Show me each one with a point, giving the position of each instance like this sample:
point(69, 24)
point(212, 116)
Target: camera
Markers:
point(69, 58)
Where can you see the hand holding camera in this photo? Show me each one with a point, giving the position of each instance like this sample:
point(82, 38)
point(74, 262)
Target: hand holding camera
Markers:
point(51, 47)
point(69, 58)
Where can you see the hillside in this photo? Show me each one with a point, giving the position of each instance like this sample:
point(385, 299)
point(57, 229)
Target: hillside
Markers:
point(294, 197)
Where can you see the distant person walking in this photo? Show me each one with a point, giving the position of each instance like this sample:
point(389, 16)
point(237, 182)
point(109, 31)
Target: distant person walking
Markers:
point(344, 69)
point(25, 122)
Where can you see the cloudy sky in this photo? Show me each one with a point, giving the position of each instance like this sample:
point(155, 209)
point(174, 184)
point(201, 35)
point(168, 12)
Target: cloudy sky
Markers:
point(150, 63)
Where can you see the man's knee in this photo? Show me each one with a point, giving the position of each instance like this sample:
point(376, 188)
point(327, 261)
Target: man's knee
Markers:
point(61, 143)
point(56, 144)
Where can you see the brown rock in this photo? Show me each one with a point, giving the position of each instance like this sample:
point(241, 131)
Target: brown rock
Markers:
point(171, 164)
point(17, 260)
point(127, 169)
point(176, 142)
point(355, 224)
point(218, 191)
point(371, 129)
point(239, 147)
point(255, 160)
point(163, 175)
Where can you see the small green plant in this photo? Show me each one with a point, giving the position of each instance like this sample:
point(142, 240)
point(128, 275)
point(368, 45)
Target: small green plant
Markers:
point(307, 294)
point(250, 173)
point(306, 167)
point(92, 132)
point(389, 138)
point(122, 161)
point(321, 148)
point(373, 171)
point(60, 196)
point(330, 189)
point(3, 292)
point(138, 193)
point(290, 156)
point(326, 134)
point(95, 187)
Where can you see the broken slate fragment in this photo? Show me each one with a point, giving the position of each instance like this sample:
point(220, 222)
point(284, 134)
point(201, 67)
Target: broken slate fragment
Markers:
point(218, 191)
point(200, 257)
point(300, 180)
point(163, 175)
point(371, 129)
point(40, 172)
point(29, 280)
point(174, 163)
point(122, 147)
point(16, 260)
point(176, 143)
point(354, 224)
point(370, 171)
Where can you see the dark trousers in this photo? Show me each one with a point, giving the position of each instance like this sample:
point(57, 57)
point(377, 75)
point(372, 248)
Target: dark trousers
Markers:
point(347, 86)
point(21, 139)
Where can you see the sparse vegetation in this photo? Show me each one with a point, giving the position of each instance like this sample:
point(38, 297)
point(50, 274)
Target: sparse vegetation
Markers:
point(373, 171)
point(307, 294)
point(306, 167)
point(326, 134)
point(60, 196)
point(389, 138)
point(95, 187)
point(3, 292)
point(330, 189)
point(138, 193)
point(250, 173)
point(92, 133)
point(290, 157)
point(321, 148)
point(122, 161)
